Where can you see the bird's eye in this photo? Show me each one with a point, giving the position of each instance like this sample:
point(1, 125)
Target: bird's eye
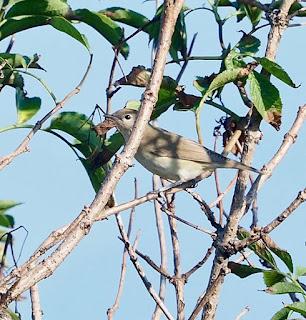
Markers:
point(128, 117)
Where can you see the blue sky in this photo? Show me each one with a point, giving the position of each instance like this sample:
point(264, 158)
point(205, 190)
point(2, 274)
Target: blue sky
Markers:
point(54, 187)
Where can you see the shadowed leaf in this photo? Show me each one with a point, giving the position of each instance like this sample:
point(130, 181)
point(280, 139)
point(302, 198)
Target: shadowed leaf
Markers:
point(266, 99)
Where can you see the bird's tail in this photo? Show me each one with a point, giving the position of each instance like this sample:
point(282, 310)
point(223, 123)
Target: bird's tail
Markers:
point(229, 163)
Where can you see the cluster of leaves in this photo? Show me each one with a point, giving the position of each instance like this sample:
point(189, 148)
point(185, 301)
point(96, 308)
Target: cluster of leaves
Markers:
point(277, 281)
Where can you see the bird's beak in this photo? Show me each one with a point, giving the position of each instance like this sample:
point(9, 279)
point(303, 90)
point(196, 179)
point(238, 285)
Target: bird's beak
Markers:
point(107, 124)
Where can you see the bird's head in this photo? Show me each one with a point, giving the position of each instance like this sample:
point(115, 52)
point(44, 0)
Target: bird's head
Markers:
point(123, 120)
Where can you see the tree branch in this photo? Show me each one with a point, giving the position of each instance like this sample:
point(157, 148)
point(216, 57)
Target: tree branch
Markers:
point(10, 291)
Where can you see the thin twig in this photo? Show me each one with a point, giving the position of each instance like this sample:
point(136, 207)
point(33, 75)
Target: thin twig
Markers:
point(162, 248)
point(184, 66)
point(23, 147)
point(197, 58)
point(35, 302)
point(111, 311)
point(192, 270)
point(109, 89)
point(11, 43)
point(257, 234)
point(218, 189)
point(222, 194)
point(178, 280)
point(140, 271)
point(242, 313)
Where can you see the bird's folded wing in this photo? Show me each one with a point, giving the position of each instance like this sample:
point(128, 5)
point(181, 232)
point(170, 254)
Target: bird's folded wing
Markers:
point(165, 144)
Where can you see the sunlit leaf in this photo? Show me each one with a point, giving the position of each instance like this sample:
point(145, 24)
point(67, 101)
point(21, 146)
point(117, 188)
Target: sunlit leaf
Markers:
point(276, 70)
point(282, 314)
point(284, 288)
point(272, 276)
point(26, 107)
point(39, 7)
point(15, 60)
point(300, 271)
point(299, 307)
point(126, 16)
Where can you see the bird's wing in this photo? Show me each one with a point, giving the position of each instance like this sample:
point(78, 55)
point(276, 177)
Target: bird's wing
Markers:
point(168, 144)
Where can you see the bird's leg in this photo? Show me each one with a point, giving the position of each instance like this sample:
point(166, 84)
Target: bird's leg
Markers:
point(191, 184)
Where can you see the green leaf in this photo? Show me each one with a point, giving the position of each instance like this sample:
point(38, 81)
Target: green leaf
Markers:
point(7, 221)
point(11, 78)
point(105, 26)
point(78, 126)
point(17, 24)
point(179, 37)
point(284, 256)
point(65, 26)
point(96, 175)
point(300, 271)
point(242, 270)
point(7, 204)
point(253, 13)
point(248, 44)
point(282, 314)
point(299, 307)
point(223, 78)
point(266, 99)
point(259, 248)
point(87, 142)
point(276, 70)
point(272, 276)
point(234, 60)
point(39, 7)
point(26, 107)
point(284, 288)
point(15, 60)
point(126, 16)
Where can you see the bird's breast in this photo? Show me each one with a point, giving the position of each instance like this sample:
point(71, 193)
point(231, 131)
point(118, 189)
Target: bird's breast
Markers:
point(169, 168)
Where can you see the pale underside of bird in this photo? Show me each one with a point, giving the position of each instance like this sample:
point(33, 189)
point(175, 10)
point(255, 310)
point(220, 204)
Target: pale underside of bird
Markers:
point(167, 154)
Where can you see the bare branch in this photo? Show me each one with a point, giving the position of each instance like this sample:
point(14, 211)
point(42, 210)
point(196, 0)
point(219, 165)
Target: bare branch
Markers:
point(177, 279)
point(111, 311)
point(35, 301)
point(141, 272)
point(163, 249)
point(187, 274)
point(24, 146)
point(258, 233)
point(87, 217)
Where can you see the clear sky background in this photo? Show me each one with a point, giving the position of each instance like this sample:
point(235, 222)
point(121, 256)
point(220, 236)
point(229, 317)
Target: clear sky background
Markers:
point(54, 187)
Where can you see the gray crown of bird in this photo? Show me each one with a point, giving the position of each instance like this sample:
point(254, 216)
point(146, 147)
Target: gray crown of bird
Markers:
point(165, 153)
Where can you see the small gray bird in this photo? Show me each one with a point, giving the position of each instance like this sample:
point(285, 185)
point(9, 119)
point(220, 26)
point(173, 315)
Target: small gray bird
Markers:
point(165, 153)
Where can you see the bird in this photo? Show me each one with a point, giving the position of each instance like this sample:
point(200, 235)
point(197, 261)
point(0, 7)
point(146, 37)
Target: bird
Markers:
point(167, 154)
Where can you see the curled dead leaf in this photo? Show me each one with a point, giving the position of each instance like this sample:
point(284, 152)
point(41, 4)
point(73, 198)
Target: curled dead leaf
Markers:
point(104, 126)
